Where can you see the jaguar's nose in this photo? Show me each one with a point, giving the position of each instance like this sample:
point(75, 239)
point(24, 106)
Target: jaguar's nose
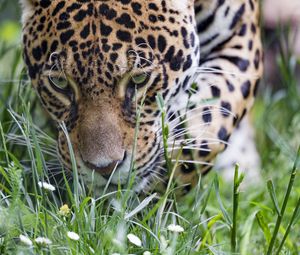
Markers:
point(107, 169)
point(100, 139)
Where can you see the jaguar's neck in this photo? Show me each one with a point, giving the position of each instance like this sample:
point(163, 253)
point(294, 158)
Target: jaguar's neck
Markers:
point(217, 21)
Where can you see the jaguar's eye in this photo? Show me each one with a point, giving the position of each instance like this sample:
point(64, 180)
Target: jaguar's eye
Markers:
point(60, 82)
point(140, 78)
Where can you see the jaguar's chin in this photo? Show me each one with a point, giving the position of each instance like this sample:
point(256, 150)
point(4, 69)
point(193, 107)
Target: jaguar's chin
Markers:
point(118, 175)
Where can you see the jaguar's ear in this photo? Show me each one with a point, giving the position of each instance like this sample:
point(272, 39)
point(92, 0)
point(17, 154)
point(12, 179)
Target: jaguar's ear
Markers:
point(29, 4)
point(28, 7)
point(182, 5)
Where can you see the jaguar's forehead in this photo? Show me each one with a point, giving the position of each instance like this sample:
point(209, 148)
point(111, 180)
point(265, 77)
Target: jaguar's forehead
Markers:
point(112, 33)
point(126, 14)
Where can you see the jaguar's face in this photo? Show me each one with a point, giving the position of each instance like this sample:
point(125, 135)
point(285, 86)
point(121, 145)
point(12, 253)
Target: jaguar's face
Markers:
point(93, 63)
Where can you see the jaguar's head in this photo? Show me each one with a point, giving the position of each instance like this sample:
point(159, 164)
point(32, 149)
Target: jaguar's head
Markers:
point(94, 62)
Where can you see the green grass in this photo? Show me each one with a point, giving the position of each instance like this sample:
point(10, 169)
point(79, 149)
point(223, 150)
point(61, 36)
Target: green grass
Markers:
point(217, 217)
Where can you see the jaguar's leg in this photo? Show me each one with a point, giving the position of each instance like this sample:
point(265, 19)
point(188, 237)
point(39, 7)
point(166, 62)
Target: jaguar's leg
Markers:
point(242, 151)
point(227, 79)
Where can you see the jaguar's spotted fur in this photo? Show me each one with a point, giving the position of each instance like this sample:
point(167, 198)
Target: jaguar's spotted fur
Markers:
point(92, 62)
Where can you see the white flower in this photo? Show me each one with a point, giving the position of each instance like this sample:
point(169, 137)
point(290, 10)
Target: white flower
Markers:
point(134, 240)
point(25, 240)
point(115, 254)
point(147, 253)
point(175, 228)
point(72, 235)
point(43, 241)
point(46, 186)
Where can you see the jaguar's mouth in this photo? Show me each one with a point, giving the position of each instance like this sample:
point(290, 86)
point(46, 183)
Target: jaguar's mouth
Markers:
point(104, 171)
point(108, 170)
point(116, 172)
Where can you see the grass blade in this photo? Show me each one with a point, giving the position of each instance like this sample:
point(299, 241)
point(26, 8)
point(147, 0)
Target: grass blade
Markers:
point(271, 189)
point(264, 227)
point(289, 227)
point(237, 182)
point(224, 211)
point(286, 198)
point(246, 234)
point(141, 206)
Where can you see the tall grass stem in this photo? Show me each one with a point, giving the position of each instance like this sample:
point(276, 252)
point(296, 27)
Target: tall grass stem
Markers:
point(285, 201)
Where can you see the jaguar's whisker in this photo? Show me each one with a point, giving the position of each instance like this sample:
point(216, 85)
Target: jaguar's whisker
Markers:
point(204, 70)
point(208, 140)
point(185, 119)
point(174, 147)
point(191, 161)
point(185, 131)
point(188, 148)
point(196, 115)
point(201, 133)
point(215, 108)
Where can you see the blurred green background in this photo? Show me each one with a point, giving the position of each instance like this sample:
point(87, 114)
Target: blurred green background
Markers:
point(10, 28)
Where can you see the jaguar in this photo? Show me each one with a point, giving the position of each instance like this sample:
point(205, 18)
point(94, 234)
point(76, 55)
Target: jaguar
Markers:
point(118, 76)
